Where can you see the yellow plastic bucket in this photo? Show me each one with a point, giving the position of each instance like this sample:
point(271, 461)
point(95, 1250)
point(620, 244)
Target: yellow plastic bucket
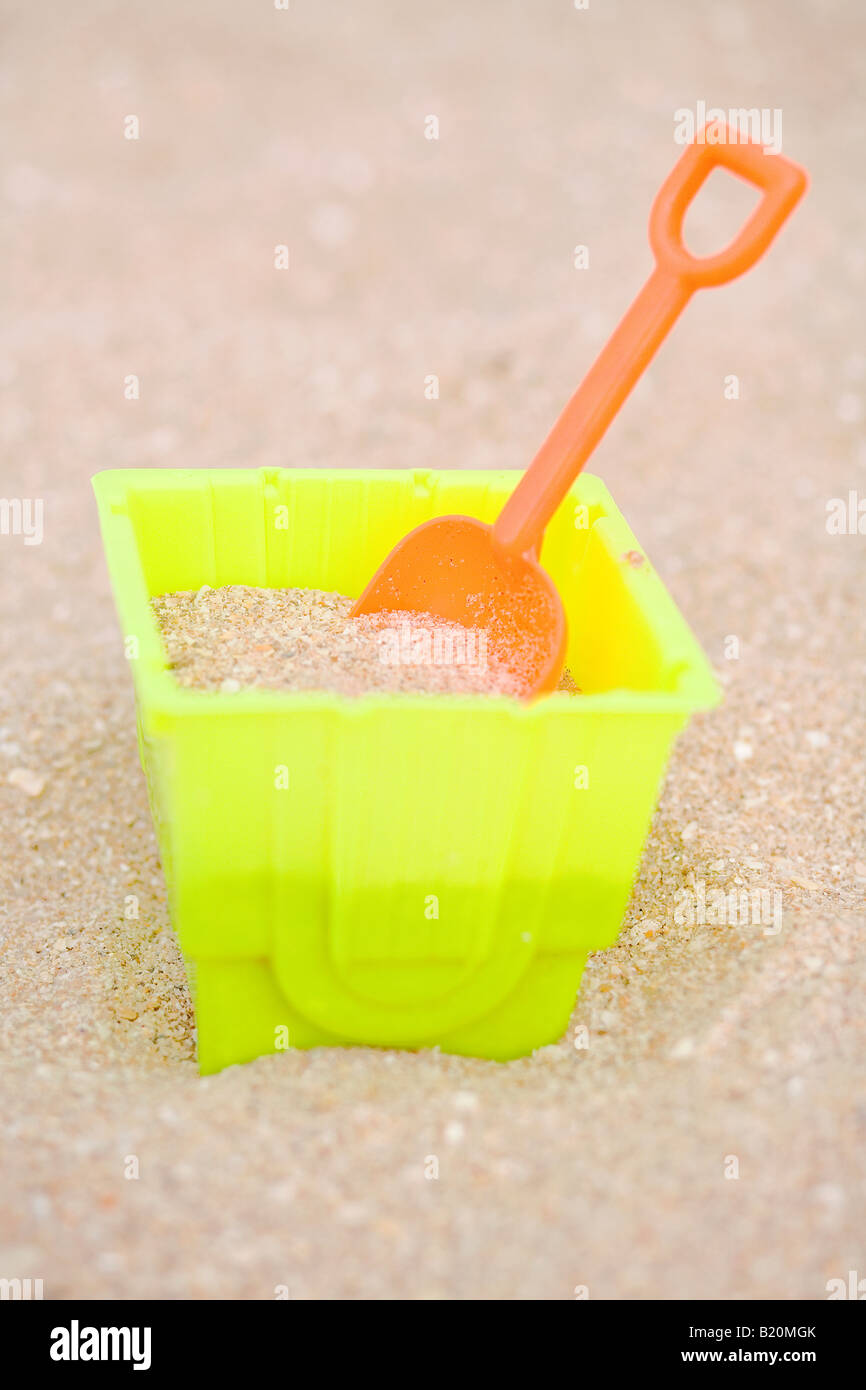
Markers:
point(394, 870)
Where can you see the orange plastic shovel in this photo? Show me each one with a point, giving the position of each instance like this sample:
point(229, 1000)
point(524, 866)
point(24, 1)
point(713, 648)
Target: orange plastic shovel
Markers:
point(463, 570)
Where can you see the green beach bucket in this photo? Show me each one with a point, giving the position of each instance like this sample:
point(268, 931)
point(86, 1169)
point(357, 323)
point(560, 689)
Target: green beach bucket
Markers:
point(398, 870)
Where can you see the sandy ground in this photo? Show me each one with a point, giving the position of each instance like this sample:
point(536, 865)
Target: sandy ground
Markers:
point(607, 1167)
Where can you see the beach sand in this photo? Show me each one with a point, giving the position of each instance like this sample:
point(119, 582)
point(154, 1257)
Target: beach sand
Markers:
point(705, 1137)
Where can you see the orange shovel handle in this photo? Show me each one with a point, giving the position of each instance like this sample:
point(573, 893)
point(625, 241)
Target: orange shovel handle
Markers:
point(520, 526)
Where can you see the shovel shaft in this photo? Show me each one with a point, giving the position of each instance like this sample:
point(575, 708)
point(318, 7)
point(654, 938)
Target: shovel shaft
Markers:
point(585, 419)
point(677, 275)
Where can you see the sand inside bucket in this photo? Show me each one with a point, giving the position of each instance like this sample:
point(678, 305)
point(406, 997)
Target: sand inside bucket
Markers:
point(233, 638)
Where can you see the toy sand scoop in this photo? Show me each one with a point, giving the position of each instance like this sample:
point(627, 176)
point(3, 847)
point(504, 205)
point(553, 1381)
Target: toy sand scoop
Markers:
point(463, 570)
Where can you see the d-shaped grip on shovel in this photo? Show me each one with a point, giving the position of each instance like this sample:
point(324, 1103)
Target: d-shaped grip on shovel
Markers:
point(521, 523)
point(782, 181)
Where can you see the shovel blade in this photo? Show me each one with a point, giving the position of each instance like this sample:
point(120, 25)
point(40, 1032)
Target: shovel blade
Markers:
point(453, 568)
